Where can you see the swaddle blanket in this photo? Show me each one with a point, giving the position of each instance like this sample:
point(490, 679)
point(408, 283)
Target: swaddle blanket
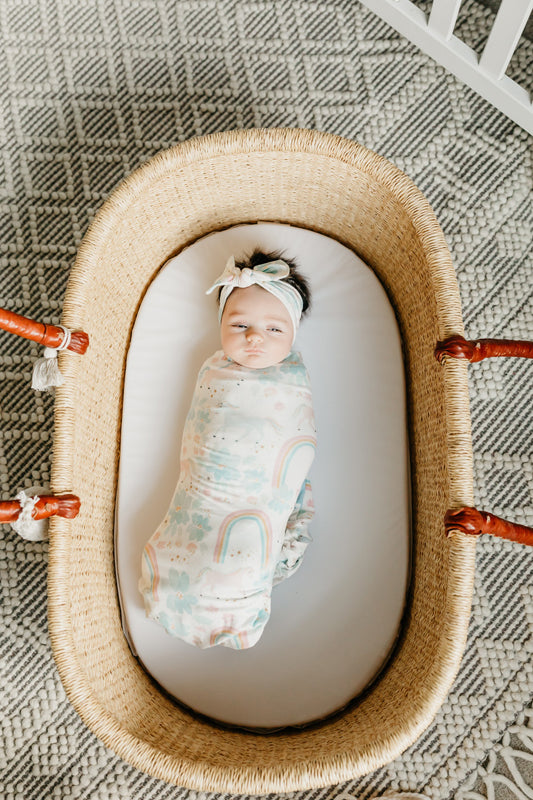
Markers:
point(237, 523)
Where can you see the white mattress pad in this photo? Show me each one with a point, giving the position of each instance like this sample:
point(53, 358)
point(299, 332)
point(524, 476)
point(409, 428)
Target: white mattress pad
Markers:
point(333, 624)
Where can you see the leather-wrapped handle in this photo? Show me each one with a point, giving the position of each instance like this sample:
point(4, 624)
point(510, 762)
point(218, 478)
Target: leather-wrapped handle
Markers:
point(47, 335)
point(65, 505)
point(473, 522)
point(478, 349)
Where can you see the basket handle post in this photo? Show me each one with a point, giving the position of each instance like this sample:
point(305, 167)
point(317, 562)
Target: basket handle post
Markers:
point(478, 349)
point(65, 505)
point(473, 522)
point(469, 520)
point(47, 335)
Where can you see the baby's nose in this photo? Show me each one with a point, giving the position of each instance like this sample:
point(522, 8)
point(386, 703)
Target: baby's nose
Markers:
point(254, 336)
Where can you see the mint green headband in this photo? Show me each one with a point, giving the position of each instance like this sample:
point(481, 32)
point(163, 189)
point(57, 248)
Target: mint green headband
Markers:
point(268, 276)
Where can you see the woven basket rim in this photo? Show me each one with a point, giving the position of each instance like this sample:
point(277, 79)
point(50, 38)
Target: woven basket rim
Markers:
point(253, 141)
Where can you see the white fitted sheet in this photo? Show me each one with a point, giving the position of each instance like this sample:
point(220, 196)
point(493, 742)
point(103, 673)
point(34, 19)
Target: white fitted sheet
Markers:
point(334, 622)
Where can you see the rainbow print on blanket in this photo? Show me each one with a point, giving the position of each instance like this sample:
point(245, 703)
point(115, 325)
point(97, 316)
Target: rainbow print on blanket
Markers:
point(152, 569)
point(260, 522)
point(287, 454)
point(239, 641)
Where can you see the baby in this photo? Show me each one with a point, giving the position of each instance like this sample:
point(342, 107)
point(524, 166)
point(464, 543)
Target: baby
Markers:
point(237, 523)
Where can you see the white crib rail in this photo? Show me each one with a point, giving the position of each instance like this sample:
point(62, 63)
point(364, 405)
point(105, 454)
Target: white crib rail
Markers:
point(434, 35)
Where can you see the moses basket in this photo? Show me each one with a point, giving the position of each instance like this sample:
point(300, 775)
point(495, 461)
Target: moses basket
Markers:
point(338, 188)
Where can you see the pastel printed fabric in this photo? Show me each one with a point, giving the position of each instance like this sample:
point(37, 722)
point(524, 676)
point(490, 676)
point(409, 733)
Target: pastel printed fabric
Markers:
point(237, 523)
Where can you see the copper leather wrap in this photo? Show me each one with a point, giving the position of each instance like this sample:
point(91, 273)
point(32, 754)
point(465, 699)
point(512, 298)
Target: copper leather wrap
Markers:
point(47, 335)
point(473, 522)
point(478, 349)
point(66, 505)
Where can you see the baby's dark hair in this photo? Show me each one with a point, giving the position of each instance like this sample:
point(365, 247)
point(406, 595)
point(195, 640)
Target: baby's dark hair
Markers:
point(294, 278)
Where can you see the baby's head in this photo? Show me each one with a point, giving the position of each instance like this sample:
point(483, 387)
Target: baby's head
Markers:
point(261, 301)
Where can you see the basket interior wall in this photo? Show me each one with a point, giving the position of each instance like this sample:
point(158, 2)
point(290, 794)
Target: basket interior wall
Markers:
point(136, 232)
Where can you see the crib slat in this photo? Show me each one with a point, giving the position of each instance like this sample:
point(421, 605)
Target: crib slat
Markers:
point(437, 41)
point(508, 26)
point(443, 17)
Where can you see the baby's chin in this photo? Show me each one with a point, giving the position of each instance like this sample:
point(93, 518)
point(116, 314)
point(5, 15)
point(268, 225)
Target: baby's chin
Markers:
point(254, 361)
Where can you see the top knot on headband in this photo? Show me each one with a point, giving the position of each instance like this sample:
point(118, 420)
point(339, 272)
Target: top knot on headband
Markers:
point(268, 276)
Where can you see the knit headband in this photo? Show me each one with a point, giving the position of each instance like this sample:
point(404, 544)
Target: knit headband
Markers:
point(268, 276)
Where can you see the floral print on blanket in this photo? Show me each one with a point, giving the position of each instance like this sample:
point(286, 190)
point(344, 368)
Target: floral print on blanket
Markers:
point(237, 523)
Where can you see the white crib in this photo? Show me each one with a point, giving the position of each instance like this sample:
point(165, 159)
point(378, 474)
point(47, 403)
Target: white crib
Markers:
point(433, 33)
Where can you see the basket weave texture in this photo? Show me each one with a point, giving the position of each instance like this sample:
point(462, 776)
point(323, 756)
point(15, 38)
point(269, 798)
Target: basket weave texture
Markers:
point(344, 191)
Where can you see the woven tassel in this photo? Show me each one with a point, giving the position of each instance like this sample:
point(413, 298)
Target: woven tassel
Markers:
point(34, 530)
point(46, 372)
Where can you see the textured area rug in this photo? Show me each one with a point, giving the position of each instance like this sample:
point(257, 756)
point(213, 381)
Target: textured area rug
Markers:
point(89, 90)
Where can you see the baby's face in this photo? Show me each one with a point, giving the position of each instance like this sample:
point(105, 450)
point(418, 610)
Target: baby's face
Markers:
point(256, 329)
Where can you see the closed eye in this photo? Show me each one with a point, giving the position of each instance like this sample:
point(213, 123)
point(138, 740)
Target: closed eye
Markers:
point(239, 325)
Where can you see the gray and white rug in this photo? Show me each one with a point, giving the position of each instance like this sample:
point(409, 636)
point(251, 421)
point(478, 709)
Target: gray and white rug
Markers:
point(91, 88)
